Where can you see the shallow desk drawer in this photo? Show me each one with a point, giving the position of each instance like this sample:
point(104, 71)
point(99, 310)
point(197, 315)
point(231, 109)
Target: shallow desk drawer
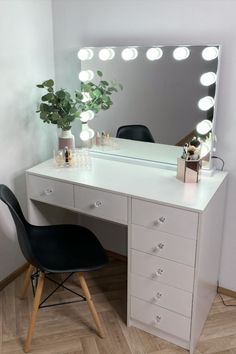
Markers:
point(160, 269)
point(50, 191)
point(172, 220)
point(164, 245)
point(160, 318)
point(161, 294)
point(101, 204)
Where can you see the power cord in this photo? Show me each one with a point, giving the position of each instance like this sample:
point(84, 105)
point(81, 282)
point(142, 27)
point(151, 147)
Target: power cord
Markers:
point(222, 161)
point(224, 303)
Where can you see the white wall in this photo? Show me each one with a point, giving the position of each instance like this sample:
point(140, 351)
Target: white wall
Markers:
point(145, 22)
point(26, 58)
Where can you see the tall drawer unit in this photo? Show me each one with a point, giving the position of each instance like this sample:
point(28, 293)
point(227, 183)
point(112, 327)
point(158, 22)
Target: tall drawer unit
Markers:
point(162, 266)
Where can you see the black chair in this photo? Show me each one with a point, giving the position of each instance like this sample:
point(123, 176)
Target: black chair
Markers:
point(135, 132)
point(54, 249)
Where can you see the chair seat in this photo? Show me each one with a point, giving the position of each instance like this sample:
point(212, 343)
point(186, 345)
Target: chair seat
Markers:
point(66, 248)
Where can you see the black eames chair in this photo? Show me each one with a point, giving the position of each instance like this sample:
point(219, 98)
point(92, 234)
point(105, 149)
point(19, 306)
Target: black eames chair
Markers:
point(54, 249)
point(135, 132)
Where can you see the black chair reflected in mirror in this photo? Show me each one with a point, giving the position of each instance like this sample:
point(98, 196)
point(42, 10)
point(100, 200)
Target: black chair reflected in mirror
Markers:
point(54, 249)
point(135, 132)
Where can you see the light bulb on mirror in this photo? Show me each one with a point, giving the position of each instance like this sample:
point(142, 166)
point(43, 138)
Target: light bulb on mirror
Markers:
point(86, 116)
point(208, 79)
point(181, 53)
point(106, 54)
point(85, 54)
point(86, 75)
point(204, 127)
point(210, 53)
point(86, 132)
point(206, 103)
point(129, 54)
point(154, 53)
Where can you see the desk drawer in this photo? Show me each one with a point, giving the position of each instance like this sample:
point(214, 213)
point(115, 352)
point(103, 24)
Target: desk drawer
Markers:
point(160, 318)
point(101, 204)
point(161, 294)
point(164, 245)
point(50, 191)
point(163, 270)
point(172, 220)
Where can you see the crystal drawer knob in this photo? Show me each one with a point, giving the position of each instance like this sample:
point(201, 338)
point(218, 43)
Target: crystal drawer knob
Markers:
point(159, 271)
point(159, 221)
point(157, 297)
point(47, 191)
point(97, 204)
point(162, 219)
point(159, 247)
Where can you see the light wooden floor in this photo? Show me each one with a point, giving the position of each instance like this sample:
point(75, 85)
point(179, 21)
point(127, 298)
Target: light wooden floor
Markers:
point(69, 329)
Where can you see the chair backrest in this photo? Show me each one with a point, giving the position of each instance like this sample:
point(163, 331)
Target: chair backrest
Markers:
point(135, 132)
point(22, 226)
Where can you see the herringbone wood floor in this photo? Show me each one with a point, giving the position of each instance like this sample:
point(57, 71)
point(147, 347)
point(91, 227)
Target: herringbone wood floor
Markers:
point(69, 329)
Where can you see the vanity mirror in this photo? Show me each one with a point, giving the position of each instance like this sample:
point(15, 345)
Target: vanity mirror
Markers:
point(169, 89)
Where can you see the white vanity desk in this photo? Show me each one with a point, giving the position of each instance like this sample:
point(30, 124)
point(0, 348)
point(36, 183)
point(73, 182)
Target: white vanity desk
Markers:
point(174, 236)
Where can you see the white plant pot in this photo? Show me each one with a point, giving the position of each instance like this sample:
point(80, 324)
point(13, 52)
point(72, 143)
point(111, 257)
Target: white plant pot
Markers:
point(66, 138)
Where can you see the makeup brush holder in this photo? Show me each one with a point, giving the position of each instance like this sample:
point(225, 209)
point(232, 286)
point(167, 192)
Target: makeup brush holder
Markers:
point(188, 170)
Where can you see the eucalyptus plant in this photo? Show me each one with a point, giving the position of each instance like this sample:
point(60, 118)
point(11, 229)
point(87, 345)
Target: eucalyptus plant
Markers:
point(96, 97)
point(60, 108)
point(57, 107)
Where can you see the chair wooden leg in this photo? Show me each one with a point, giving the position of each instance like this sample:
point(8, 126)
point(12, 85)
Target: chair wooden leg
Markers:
point(25, 286)
point(36, 304)
point(91, 305)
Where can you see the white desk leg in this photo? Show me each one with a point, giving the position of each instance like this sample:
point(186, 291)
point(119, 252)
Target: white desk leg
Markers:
point(129, 261)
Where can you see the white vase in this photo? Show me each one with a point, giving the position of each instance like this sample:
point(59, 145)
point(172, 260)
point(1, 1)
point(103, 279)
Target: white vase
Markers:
point(66, 138)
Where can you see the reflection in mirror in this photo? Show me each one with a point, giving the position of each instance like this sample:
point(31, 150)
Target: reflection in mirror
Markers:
point(169, 89)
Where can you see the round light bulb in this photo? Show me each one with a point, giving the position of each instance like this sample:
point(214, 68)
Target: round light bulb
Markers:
point(208, 79)
point(206, 103)
point(86, 116)
point(106, 54)
point(85, 54)
point(129, 54)
point(204, 127)
point(181, 53)
point(84, 135)
point(86, 75)
point(210, 53)
point(154, 53)
point(86, 97)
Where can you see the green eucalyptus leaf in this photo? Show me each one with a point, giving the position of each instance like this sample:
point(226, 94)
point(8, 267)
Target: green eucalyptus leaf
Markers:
point(47, 97)
point(97, 93)
point(99, 73)
point(104, 83)
point(48, 83)
point(61, 94)
point(40, 86)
